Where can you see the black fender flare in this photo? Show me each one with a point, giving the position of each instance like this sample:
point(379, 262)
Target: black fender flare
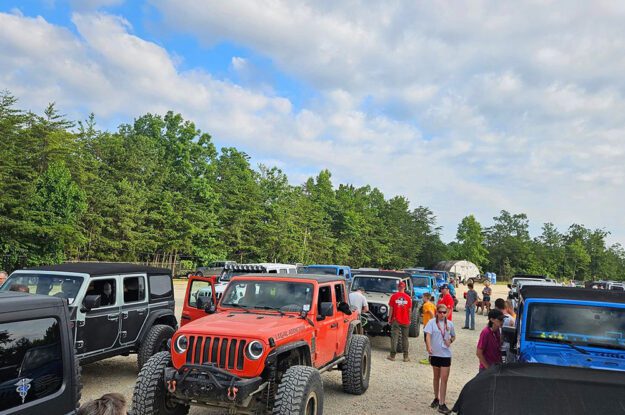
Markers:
point(155, 315)
point(272, 357)
point(354, 326)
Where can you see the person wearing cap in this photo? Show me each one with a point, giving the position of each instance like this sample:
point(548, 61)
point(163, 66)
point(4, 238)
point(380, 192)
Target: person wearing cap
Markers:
point(447, 300)
point(439, 335)
point(399, 308)
point(489, 345)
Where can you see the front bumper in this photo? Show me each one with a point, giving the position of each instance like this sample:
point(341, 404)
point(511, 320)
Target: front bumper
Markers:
point(375, 326)
point(211, 385)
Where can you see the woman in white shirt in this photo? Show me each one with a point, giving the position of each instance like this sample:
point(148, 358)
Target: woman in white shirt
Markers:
point(440, 334)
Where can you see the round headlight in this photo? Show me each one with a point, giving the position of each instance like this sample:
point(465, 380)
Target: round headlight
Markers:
point(255, 350)
point(181, 344)
point(383, 309)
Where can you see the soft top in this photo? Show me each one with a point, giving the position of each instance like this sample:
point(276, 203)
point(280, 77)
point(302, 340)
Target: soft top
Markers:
point(395, 274)
point(533, 388)
point(572, 293)
point(320, 278)
point(12, 301)
point(100, 268)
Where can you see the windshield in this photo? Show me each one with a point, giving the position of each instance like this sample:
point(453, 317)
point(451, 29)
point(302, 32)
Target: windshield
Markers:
point(578, 324)
point(45, 284)
point(283, 296)
point(375, 284)
point(320, 270)
point(420, 282)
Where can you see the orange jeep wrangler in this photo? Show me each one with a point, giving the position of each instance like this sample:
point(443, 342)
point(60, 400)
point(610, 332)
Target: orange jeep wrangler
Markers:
point(260, 351)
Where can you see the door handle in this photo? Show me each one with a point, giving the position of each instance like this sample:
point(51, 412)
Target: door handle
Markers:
point(112, 317)
point(141, 312)
point(125, 315)
point(334, 325)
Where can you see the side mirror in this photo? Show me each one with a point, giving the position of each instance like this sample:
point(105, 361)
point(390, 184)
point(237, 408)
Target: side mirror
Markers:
point(327, 309)
point(206, 303)
point(344, 308)
point(509, 333)
point(91, 301)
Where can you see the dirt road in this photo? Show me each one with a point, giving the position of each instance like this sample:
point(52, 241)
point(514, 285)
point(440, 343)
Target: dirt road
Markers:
point(395, 387)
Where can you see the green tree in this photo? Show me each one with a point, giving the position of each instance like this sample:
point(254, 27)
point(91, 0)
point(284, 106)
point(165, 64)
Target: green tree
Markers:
point(470, 239)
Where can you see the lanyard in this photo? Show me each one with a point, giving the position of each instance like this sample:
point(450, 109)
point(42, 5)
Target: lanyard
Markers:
point(442, 331)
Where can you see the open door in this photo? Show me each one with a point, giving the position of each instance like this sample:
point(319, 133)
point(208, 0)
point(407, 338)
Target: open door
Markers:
point(199, 299)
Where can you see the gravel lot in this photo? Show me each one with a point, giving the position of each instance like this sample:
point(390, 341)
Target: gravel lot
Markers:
point(395, 387)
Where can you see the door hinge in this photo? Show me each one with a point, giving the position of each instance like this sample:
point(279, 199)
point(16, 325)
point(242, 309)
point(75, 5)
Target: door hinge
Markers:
point(123, 334)
point(80, 344)
point(81, 323)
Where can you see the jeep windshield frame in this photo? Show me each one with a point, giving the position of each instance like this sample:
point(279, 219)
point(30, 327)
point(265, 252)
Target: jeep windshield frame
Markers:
point(64, 285)
point(282, 296)
point(588, 325)
point(375, 283)
point(320, 270)
point(420, 282)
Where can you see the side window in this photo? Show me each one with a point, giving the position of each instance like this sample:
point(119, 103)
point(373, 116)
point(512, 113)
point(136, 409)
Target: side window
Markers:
point(284, 271)
point(341, 272)
point(198, 289)
point(272, 271)
point(134, 289)
point(339, 293)
point(30, 359)
point(106, 289)
point(160, 287)
point(325, 296)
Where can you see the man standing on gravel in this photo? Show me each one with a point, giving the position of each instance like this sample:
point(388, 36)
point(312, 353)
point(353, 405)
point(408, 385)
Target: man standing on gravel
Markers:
point(399, 307)
point(469, 308)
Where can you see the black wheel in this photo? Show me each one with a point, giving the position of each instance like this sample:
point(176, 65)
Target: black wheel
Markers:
point(300, 392)
point(415, 323)
point(155, 341)
point(150, 396)
point(470, 281)
point(357, 368)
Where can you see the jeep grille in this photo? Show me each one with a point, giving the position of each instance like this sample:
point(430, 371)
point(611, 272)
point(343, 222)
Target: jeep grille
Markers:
point(222, 352)
point(375, 309)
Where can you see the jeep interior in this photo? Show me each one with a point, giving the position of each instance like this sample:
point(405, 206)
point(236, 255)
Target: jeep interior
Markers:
point(45, 284)
point(105, 288)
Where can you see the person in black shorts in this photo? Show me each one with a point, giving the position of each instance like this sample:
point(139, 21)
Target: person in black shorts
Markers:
point(439, 335)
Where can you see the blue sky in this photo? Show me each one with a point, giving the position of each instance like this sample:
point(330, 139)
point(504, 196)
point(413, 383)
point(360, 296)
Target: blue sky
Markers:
point(467, 108)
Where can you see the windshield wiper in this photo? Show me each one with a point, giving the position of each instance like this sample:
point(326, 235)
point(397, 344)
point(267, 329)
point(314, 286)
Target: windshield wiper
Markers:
point(266, 307)
point(238, 306)
point(568, 343)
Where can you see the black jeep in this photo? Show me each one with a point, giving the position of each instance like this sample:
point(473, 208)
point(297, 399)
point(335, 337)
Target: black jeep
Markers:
point(115, 308)
point(38, 370)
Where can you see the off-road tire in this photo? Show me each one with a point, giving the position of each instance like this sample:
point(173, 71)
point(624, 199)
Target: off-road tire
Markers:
point(357, 367)
point(150, 394)
point(415, 323)
point(300, 388)
point(153, 342)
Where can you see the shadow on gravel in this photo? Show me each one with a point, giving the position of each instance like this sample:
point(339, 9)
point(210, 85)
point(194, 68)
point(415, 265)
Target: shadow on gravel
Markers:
point(110, 369)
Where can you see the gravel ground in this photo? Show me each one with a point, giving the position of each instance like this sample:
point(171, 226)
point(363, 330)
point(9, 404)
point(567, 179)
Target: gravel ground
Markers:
point(395, 387)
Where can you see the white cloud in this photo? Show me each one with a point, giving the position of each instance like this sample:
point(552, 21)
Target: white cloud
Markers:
point(470, 107)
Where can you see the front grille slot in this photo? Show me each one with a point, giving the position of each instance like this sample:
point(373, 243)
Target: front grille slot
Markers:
point(190, 349)
point(241, 355)
point(214, 350)
point(222, 353)
point(207, 345)
point(231, 354)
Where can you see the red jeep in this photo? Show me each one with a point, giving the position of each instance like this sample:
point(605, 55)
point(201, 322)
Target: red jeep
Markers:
point(261, 350)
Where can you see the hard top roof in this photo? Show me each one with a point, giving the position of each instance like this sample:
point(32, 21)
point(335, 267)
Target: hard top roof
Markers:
point(320, 278)
point(100, 268)
point(327, 266)
point(395, 274)
point(572, 293)
point(12, 301)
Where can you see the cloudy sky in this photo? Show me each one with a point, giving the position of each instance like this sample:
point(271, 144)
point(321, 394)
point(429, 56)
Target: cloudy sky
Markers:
point(463, 106)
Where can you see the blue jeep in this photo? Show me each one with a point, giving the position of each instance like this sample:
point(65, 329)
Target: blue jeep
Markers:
point(341, 270)
point(568, 326)
point(422, 284)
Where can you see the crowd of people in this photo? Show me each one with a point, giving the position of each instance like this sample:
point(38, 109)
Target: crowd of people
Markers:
point(439, 331)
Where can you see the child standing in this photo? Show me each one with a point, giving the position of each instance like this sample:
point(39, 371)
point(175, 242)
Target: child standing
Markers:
point(428, 313)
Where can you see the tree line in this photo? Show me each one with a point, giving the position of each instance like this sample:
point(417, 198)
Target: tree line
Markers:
point(158, 187)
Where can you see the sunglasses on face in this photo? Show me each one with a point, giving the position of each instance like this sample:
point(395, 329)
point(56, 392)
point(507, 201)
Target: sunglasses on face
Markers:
point(442, 312)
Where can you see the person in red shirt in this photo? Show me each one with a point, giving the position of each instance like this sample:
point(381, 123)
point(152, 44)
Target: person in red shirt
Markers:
point(448, 300)
point(399, 307)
